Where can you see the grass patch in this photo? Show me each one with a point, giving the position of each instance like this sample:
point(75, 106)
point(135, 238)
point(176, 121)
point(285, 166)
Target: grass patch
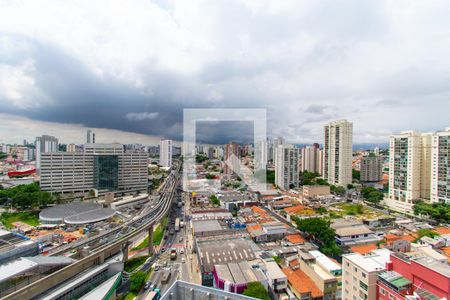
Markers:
point(132, 264)
point(30, 218)
point(157, 235)
point(353, 209)
point(130, 296)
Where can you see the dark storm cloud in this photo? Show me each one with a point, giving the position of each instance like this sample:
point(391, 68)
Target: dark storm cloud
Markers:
point(81, 97)
point(307, 62)
point(224, 131)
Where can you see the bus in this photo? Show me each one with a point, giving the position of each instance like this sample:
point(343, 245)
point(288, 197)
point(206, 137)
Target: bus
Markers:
point(153, 295)
point(177, 224)
point(165, 276)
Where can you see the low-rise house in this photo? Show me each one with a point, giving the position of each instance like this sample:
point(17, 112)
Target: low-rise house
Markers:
point(353, 235)
point(268, 233)
point(277, 279)
point(435, 243)
point(313, 191)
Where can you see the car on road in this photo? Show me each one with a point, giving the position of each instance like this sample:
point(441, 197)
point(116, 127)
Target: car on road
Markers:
point(156, 268)
point(181, 238)
point(183, 260)
point(147, 285)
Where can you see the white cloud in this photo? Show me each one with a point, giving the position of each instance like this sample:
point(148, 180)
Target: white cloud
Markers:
point(142, 116)
point(337, 58)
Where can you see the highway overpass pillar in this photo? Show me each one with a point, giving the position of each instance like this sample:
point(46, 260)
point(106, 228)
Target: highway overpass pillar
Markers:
point(125, 251)
point(150, 240)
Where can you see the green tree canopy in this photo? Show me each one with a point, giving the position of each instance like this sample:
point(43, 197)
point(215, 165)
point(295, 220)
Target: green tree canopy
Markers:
point(320, 231)
point(436, 211)
point(255, 289)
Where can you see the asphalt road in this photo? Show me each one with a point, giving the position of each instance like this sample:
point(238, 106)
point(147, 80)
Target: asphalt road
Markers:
point(177, 269)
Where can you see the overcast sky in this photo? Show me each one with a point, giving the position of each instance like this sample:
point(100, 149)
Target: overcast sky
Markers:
point(133, 66)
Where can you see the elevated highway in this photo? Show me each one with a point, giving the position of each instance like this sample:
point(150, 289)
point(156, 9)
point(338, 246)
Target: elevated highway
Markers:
point(144, 223)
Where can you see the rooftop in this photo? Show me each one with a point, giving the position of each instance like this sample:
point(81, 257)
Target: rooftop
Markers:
point(302, 283)
point(364, 249)
point(206, 225)
point(370, 263)
point(394, 279)
point(353, 230)
point(190, 291)
point(215, 252)
point(295, 238)
point(76, 213)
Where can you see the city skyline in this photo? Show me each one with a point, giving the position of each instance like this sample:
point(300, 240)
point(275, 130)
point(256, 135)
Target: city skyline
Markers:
point(373, 63)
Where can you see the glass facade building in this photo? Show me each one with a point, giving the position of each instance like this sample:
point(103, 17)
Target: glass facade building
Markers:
point(106, 172)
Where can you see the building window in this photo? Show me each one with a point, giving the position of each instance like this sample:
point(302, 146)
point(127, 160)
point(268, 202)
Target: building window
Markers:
point(364, 275)
point(356, 270)
point(382, 291)
point(363, 285)
point(391, 297)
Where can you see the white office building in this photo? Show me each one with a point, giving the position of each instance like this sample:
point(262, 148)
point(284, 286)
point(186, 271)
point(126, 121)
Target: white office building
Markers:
point(286, 167)
point(45, 143)
point(337, 166)
point(165, 153)
point(104, 167)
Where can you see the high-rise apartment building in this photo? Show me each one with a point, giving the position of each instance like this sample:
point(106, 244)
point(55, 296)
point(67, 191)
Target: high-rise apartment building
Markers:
point(276, 142)
point(311, 159)
point(337, 166)
point(287, 160)
point(261, 155)
point(231, 158)
point(71, 148)
point(371, 169)
point(45, 143)
point(440, 167)
point(165, 153)
point(105, 167)
point(409, 169)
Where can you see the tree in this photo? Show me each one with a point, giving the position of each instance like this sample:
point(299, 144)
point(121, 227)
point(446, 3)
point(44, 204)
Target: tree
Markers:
point(199, 158)
point(270, 176)
point(137, 281)
point(214, 200)
point(26, 195)
point(425, 232)
point(337, 190)
point(439, 211)
point(356, 175)
point(319, 230)
point(255, 289)
point(3, 155)
point(210, 176)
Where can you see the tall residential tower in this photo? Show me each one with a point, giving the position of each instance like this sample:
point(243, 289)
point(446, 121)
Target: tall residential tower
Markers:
point(337, 164)
point(165, 153)
point(287, 160)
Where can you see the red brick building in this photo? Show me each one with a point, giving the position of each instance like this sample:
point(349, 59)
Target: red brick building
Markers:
point(414, 278)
